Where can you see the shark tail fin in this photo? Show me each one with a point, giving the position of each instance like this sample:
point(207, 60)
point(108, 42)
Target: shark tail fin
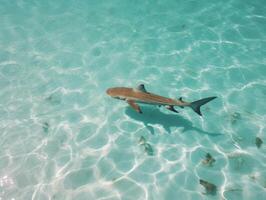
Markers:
point(195, 105)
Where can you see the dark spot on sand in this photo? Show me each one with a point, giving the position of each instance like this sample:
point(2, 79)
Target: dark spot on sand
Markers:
point(210, 188)
point(147, 147)
point(209, 160)
point(54, 98)
point(236, 116)
point(258, 142)
point(45, 127)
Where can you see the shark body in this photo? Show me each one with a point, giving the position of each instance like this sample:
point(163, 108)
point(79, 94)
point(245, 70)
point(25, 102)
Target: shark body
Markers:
point(133, 96)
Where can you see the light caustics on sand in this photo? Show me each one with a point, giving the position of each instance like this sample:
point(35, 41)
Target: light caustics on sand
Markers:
point(61, 137)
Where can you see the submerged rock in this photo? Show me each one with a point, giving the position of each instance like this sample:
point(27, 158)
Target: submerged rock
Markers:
point(54, 98)
point(142, 140)
point(258, 142)
point(209, 160)
point(235, 117)
point(209, 187)
point(45, 127)
point(148, 149)
point(253, 176)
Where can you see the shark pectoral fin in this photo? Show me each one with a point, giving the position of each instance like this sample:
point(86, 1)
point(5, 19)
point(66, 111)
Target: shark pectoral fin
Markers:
point(171, 108)
point(134, 105)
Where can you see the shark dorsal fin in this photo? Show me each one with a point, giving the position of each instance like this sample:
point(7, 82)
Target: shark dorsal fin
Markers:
point(181, 99)
point(141, 88)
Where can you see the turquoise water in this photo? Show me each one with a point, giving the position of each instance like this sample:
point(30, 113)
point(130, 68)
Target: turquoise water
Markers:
point(62, 137)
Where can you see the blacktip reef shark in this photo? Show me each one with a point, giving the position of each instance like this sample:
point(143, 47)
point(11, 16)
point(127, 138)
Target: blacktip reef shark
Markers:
point(140, 95)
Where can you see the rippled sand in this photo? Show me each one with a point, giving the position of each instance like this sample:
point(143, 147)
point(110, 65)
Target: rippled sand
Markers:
point(62, 137)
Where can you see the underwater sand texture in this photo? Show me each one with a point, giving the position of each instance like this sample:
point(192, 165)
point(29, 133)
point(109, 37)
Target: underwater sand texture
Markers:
point(63, 138)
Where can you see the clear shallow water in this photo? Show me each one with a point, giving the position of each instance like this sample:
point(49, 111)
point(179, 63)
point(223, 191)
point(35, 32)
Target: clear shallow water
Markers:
point(62, 137)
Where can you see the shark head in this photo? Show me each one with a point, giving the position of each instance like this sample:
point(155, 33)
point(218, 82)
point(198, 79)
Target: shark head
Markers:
point(115, 93)
point(111, 92)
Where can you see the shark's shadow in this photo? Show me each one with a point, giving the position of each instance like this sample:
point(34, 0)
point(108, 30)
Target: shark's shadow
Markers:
point(152, 116)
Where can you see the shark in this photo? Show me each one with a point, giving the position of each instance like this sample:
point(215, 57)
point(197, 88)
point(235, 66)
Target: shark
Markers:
point(139, 95)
